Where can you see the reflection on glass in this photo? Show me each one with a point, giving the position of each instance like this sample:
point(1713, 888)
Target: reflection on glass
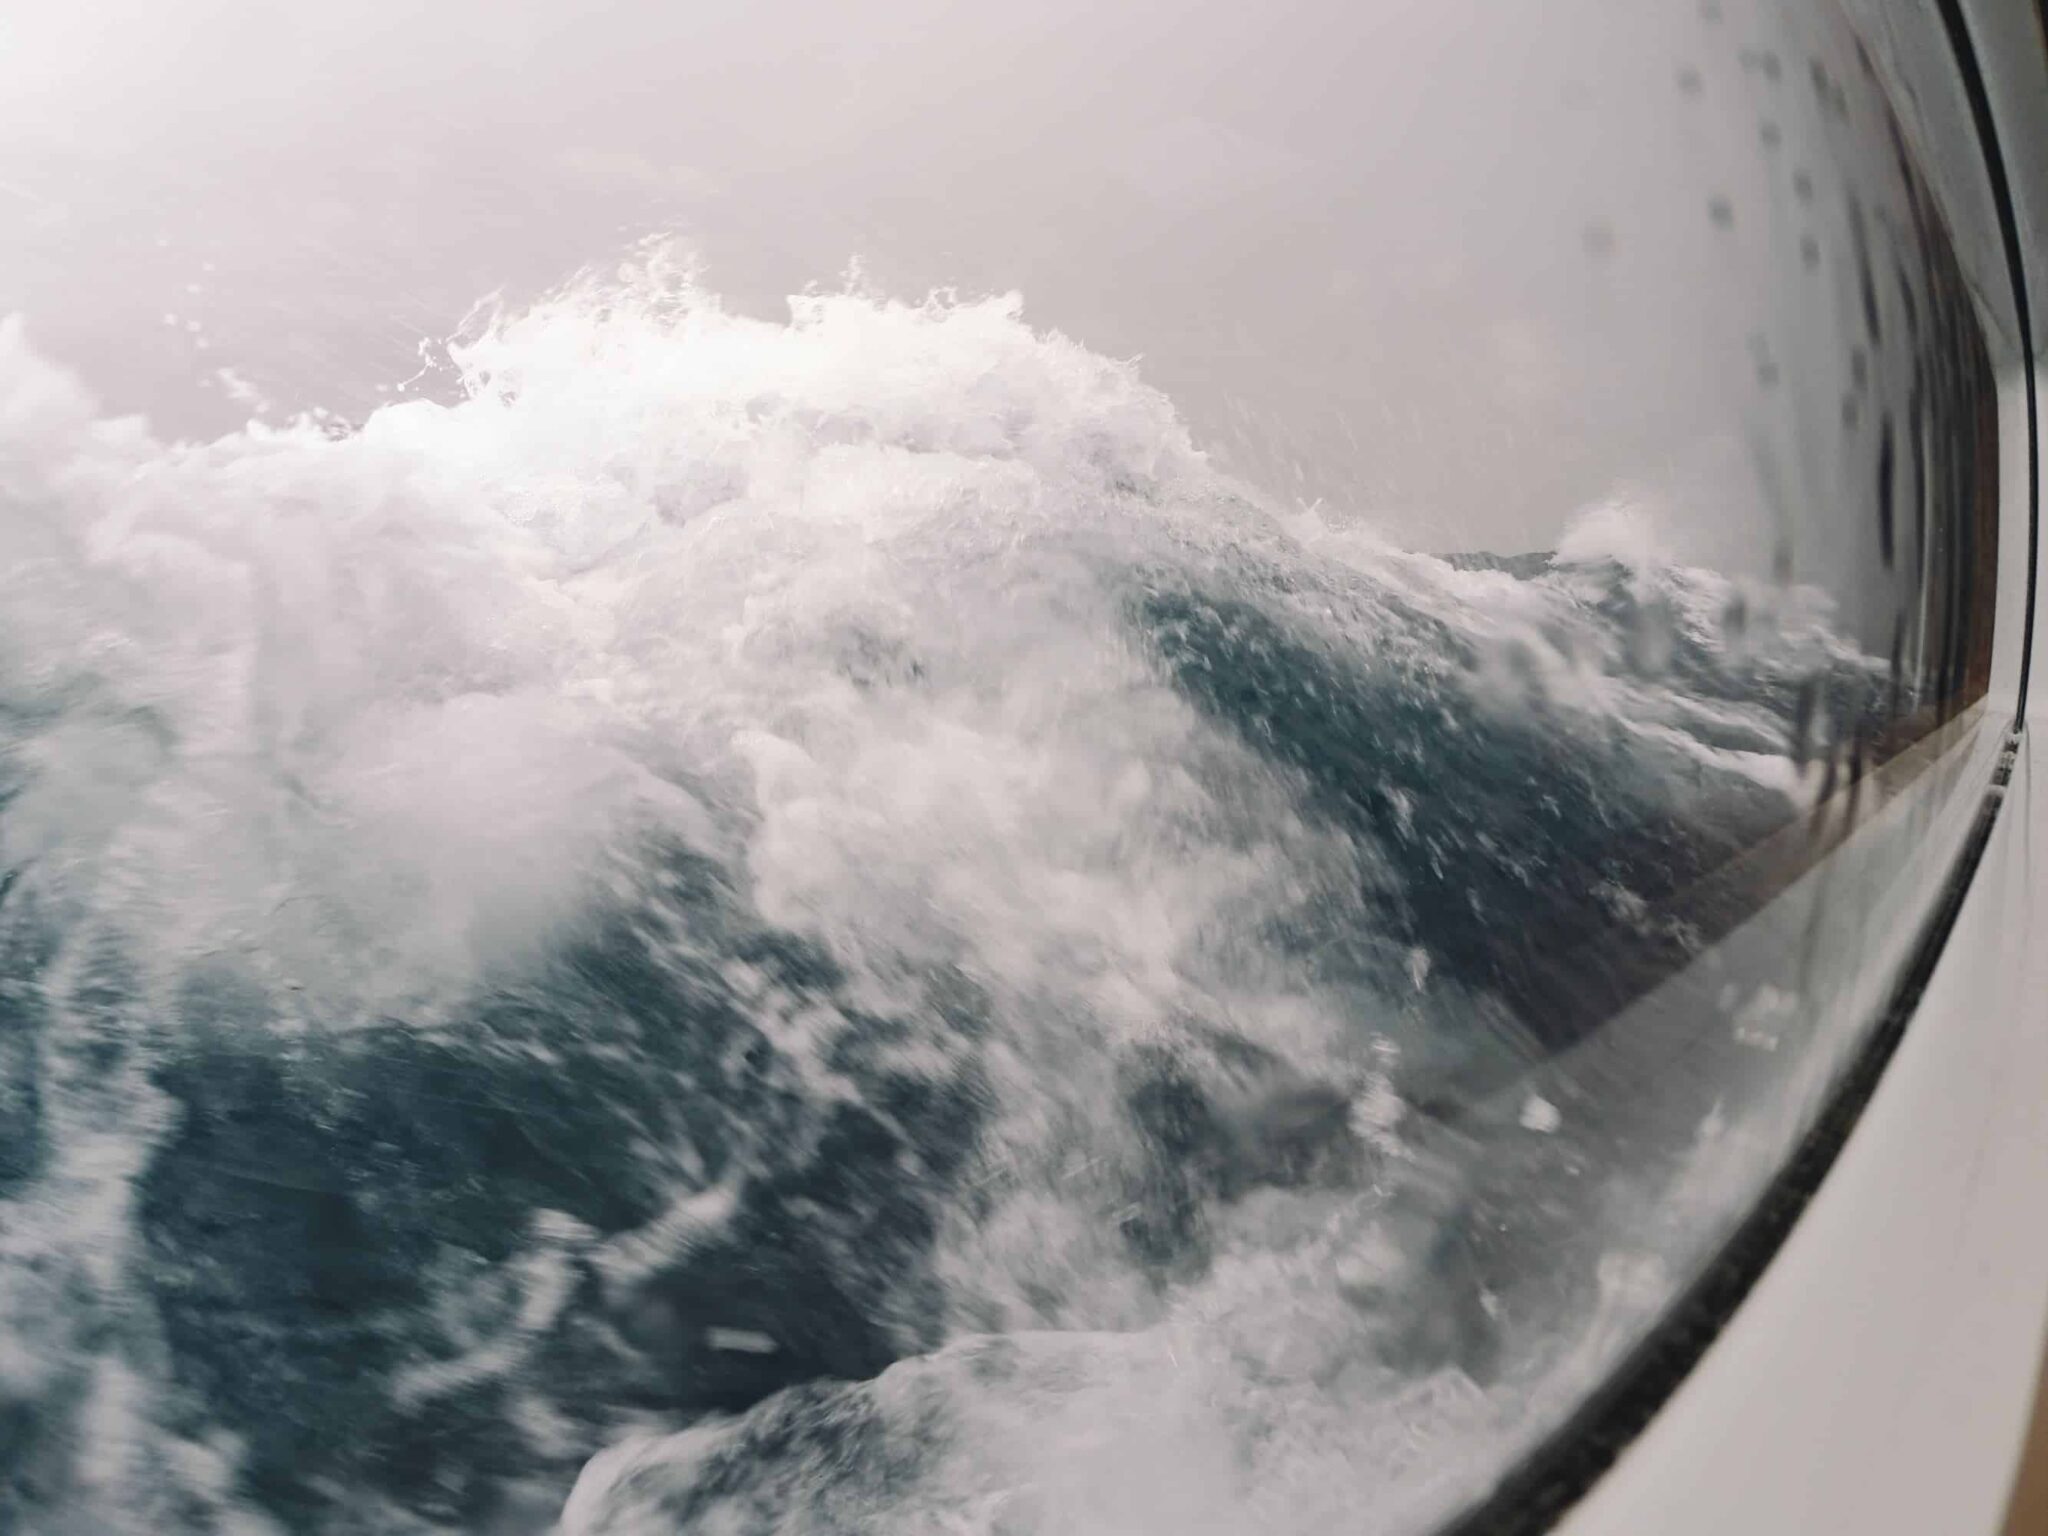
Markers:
point(881, 918)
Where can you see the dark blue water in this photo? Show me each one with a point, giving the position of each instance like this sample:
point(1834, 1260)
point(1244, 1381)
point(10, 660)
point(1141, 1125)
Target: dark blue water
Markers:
point(331, 1212)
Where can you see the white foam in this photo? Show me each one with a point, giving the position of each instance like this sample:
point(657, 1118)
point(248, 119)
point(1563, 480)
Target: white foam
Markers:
point(369, 715)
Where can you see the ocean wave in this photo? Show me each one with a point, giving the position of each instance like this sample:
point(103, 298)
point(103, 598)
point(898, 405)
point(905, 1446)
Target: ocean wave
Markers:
point(802, 926)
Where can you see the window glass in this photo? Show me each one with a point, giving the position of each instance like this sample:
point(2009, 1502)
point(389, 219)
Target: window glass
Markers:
point(1167, 857)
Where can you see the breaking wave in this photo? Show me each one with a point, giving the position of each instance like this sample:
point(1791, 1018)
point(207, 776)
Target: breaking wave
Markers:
point(808, 927)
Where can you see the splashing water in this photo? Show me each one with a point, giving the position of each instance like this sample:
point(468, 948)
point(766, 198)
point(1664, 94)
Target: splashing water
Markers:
point(808, 926)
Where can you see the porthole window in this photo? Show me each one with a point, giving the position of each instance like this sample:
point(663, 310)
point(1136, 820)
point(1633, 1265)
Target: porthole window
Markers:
point(951, 768)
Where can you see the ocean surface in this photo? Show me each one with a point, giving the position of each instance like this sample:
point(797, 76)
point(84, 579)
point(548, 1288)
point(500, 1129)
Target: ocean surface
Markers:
point(814, 927)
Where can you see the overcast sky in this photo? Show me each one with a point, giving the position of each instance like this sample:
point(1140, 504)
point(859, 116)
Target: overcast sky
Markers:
point(1454, 266)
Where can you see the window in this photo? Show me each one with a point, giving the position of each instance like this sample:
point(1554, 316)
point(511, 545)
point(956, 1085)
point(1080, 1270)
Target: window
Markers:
point(1172, 856)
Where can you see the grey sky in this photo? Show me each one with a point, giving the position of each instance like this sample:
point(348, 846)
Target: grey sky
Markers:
point(1453, 266)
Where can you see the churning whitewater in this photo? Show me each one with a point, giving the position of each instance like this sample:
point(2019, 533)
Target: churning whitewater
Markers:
point(806, 927)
